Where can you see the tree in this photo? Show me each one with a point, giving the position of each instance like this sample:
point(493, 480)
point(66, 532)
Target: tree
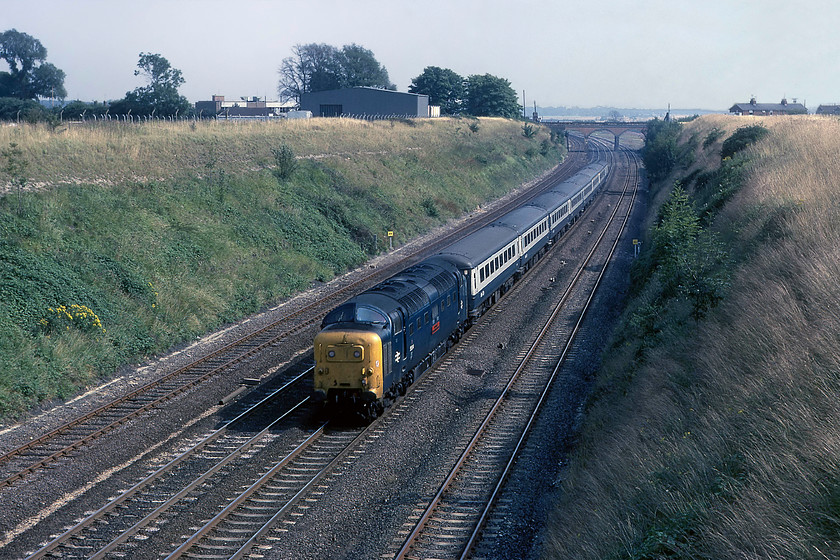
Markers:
point(359, 68)
point(443, 86)
point(489, 96)
point(29, 76)
point(160, 96)
point(692, 262)
point(662, 152)
point(321, 67)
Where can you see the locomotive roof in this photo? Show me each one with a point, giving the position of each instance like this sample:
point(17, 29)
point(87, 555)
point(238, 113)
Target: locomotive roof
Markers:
point(412, 288)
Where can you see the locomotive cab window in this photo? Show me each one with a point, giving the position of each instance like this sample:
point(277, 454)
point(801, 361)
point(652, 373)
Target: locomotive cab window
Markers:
point(396, 320)
point(371, 316)
point(343, 314)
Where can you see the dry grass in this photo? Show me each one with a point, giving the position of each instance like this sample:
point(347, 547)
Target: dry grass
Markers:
point(727, 441)
point(113, 153)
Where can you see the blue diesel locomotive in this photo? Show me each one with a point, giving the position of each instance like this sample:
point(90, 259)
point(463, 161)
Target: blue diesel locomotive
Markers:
point(371, 347)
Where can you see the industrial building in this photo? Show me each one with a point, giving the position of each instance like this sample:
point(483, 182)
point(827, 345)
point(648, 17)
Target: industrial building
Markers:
point(244, 107)
point(365, 102)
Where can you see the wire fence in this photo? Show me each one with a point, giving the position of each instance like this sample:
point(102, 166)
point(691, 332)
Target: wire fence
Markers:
point(139, 119)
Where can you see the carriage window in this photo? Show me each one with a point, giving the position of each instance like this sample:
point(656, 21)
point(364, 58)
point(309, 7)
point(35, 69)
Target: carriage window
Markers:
point(426, 316)
point(410, 329)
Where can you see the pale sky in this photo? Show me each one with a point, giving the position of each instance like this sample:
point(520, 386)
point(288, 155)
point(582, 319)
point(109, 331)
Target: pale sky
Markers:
point(703, 54)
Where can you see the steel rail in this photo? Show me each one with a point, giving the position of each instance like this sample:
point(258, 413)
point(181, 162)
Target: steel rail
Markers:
point(262, 481)
point(556, 370)
point(186, 546)
point(424, 518)
point(559, 173)
point(124, 496)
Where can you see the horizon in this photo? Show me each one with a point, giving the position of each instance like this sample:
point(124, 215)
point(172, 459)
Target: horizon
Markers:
point(571, 54)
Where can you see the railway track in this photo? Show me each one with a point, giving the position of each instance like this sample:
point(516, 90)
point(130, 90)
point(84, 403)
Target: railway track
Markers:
point(255, 519)
point(175, 485)
point(65, 440)
point(451, 524)
point(187, 507)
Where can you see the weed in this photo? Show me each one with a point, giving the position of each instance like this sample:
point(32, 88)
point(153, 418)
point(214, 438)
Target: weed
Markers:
point(429, 206)
point(529, 130)
point(285, 163)
point(15, 168)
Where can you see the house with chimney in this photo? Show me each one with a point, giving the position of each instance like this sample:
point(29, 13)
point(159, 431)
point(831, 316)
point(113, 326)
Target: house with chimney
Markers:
point(766, 109)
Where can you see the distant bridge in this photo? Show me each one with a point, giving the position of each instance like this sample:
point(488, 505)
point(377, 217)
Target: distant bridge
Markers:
point(588, 127)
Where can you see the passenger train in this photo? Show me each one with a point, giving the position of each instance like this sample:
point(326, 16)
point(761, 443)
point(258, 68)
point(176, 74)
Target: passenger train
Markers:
point(371, 348)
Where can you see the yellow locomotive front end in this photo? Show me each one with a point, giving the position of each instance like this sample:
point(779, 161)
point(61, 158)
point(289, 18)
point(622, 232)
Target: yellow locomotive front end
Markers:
point(348, 367)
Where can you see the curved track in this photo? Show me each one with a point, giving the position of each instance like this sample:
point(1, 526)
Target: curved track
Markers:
point(143, 522)
point(452, 523)
point(66, 439)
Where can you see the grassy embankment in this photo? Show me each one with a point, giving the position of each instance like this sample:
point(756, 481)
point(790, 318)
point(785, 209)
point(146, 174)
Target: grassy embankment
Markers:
point(158, 233)
point(716, 434)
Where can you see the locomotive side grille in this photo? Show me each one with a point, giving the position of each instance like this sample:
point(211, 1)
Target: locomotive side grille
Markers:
point(414, 300)
point(442, 281)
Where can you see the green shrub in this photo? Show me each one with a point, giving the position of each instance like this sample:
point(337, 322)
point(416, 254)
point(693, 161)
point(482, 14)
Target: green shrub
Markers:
point(712, 137)
point(662, 153)
point(741, 139)
point(529, 130)
point(692, 263)
point(285, 163)
point(429, 206)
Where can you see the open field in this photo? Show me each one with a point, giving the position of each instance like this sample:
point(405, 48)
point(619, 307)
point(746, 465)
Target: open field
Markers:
point(160, 232)
point(719, 437)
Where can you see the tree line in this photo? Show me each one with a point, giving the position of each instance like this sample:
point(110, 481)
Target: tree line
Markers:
point(311, 67)
point(320, 67)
